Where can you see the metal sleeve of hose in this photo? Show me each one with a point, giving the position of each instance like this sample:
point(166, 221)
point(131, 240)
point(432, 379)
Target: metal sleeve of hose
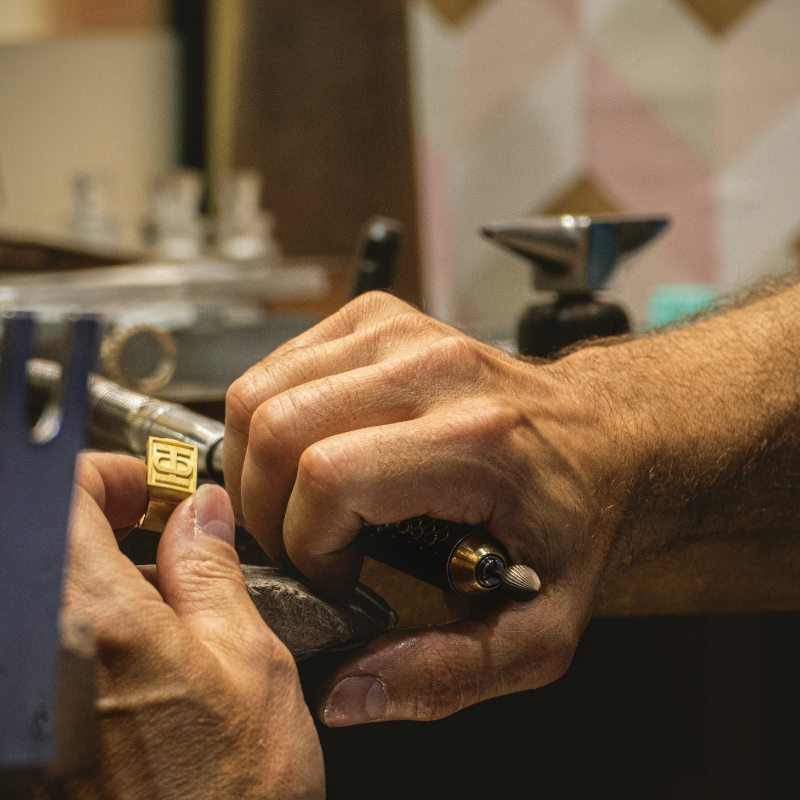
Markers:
point(121, 419)
point(110, 405)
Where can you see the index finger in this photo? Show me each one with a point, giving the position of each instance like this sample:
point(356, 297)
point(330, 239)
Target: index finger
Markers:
point(365, 311)
point(117, 483)
point(110, 491)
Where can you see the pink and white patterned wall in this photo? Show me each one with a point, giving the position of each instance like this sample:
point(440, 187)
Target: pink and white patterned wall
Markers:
point(686, 107)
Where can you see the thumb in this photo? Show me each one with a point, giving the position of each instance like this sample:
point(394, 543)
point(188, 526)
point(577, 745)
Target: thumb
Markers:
point(199, 575)
point(429, 673)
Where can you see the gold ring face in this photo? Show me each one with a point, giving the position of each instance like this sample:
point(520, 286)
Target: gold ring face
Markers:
point(171, 478)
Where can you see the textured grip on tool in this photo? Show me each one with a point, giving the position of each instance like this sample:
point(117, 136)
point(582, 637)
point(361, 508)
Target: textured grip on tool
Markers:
point(420, 546)
point(122, 419)
point(111, 406)
point(520, 583)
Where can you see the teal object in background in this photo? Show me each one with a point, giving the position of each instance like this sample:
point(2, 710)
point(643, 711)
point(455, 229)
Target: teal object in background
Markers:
point(671, 303)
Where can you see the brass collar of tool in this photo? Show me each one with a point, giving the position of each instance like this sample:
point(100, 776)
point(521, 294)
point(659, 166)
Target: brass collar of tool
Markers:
point(171, 478)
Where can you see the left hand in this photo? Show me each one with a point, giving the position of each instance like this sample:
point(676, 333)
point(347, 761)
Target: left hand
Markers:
point(197, 697)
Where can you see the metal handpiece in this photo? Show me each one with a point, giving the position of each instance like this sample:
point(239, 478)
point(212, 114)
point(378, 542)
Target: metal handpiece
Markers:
point(463, 559)
point(122, 419)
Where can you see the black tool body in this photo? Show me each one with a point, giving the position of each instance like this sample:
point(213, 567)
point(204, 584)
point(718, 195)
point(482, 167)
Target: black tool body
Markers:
point(464, 559)
point(420, 547)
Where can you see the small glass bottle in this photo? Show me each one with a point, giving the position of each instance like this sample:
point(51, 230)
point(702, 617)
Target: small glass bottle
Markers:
point(175, 229)
point(244, 230)
point(91, 223)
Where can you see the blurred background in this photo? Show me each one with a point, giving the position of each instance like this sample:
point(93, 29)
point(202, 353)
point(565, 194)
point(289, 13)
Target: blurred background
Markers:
point(444, 114)
point(228, 154)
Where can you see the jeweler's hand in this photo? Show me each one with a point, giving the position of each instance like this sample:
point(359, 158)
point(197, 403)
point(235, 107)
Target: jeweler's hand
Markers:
point(197, 697)
point(380, 413)
point(609, 454)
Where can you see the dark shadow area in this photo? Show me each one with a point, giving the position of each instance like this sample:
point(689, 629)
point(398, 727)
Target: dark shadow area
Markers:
point(627, 720)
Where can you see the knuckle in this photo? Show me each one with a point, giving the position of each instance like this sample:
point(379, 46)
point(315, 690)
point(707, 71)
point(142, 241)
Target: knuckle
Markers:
point(375, 301)
point(195, 572)
point(404, 330)
point(447, 689)
point(319, 471)
point(498, 419)
point(492, 423)
point(457, 353)
point(241, 401)
point(274, 424)
point(405, 323)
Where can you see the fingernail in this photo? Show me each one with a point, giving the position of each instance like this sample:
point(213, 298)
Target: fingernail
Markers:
point(213, 514)
point(353, 701)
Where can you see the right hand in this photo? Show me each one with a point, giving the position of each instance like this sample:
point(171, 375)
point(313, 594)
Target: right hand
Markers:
point(380, 413)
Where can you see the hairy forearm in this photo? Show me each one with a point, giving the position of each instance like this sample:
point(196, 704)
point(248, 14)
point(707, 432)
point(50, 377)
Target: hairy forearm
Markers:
point(705, 424)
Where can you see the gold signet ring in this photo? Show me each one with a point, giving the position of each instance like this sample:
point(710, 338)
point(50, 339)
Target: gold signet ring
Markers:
point(171, 478)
